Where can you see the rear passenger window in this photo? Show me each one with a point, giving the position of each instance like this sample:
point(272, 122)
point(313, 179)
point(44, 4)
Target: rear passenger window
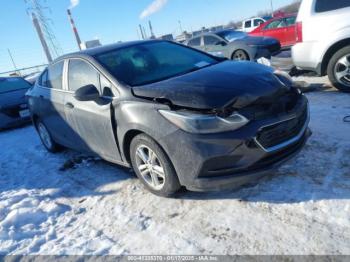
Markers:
point(81, 74)
point(195, 42)
point(328, 5)
point(54, 76)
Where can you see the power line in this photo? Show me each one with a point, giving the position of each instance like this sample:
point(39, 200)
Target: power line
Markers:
point(271, 4)
point(13, 61)
point(35, 7)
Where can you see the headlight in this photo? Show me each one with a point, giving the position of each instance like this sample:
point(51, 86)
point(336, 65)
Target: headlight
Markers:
point(284, 78)
point(204, 124)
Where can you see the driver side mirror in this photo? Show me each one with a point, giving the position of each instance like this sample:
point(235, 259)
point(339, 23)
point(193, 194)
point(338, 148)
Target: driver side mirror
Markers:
point(222, 43)
point(87, 93)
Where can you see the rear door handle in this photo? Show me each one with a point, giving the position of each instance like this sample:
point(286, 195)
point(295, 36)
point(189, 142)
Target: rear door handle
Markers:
point(69, 105)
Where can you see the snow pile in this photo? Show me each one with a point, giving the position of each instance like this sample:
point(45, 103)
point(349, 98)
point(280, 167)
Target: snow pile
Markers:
point(24, 216)
point(91, 207)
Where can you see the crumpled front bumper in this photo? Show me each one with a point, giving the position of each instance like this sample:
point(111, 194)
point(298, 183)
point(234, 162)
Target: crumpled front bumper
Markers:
point(230, 159)
point(267, 166)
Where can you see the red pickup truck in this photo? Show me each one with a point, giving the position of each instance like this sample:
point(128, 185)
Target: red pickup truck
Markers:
point(281, 28)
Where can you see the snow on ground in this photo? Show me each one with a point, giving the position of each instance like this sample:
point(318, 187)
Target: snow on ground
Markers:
point(87, 206)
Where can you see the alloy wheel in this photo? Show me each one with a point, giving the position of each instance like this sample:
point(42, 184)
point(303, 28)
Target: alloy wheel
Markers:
point(150, 168)
point(240, 55)
point(342, 70)
point(44, 135)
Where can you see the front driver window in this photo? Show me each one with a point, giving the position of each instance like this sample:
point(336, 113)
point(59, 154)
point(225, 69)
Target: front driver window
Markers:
point(80, 74)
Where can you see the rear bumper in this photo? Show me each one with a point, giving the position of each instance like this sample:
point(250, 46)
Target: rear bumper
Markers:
point(307, 56)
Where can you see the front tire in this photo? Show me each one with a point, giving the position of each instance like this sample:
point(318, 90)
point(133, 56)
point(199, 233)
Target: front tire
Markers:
point(46, 137)
point(153, 167)
point(339, 69)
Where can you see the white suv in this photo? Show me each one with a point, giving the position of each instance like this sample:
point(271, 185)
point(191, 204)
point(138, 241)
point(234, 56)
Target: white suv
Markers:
point(323, 40)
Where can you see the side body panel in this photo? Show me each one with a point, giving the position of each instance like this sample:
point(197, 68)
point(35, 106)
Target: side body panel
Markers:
point(48, 105)
point(93, 126)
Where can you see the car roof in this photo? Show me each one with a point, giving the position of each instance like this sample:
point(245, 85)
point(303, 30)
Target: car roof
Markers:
point(225, 30)
point(104, 49)
point(281, 17)
point(214, 33)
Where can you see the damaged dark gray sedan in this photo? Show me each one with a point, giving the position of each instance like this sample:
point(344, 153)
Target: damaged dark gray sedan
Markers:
point(178, 116)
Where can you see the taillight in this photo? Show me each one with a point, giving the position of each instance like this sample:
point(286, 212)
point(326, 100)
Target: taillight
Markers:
point(299, 32)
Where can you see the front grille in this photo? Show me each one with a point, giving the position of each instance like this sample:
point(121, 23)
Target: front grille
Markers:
point(278, 133)
point(276, 157)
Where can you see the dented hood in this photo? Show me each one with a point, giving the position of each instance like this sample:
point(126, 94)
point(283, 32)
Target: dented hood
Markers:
point(228, 83)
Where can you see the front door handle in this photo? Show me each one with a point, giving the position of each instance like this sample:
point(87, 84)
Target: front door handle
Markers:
point(69, 105)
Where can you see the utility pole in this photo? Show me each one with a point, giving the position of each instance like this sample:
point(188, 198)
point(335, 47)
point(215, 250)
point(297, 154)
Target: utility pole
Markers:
point(142, 35)
point(75, 31)
point(144, 32)
point(151, 30)
point(13, 61)
point(271, 8)
point(44, 22)
point(42, 38)
point(138, 33)
point(181, 31)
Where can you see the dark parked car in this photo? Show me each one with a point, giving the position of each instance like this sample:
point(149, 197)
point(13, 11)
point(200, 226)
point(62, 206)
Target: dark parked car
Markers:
point(235, 45)
point(13, 106)
point(178, 116)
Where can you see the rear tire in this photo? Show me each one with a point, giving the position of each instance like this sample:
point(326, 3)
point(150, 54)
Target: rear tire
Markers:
point(153, 167)
point(46, 137)
point(338, 69)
